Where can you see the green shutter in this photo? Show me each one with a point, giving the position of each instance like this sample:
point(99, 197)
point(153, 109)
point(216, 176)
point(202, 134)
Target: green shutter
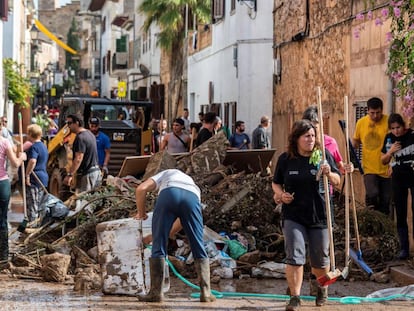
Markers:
point(121, 44)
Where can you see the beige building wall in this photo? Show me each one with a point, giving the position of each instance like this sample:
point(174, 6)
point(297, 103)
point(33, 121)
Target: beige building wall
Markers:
point(331, 57)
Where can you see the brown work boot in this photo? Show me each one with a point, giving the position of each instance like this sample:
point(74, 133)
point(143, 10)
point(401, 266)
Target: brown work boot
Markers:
point(321, 296)
point(294, 303)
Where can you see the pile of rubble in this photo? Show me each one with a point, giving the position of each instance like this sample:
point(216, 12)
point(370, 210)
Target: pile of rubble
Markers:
point(242, 234)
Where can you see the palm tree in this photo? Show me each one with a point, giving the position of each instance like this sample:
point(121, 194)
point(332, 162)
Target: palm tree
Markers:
point(170, 16)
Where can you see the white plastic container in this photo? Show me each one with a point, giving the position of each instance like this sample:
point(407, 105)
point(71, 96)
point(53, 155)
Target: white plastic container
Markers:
point(124, 267)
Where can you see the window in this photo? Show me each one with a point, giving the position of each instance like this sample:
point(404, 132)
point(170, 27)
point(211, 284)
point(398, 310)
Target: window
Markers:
point(361, 109)
point(233, 6)
point(230, 112)
point(4, 9)
point(121, 44)
point(218, 10)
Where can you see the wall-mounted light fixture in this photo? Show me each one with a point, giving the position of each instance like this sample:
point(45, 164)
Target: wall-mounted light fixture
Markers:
point(252, 4)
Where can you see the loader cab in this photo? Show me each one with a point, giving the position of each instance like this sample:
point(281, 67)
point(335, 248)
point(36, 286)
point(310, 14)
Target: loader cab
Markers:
point(125, 123)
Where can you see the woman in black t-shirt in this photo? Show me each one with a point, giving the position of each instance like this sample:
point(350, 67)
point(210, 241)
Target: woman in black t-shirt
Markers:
point(400, 156)
point(296, 186)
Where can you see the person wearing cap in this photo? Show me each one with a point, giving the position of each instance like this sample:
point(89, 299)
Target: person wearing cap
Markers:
point(85, 157)
point(260, 137)
point(176, 141)
point(103, 144)
point(178, 198)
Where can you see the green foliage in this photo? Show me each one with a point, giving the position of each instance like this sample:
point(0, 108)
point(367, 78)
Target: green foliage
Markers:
point(43, 121)
point(169, 15)
point(19, 89)
point(401, 57)
point(73, 42)
point(315, 157)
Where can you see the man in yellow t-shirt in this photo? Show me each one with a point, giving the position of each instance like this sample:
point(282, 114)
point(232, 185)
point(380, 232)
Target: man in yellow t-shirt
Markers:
point(370, 132)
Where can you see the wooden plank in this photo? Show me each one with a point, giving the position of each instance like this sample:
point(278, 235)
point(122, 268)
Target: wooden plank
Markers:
point(134, 165)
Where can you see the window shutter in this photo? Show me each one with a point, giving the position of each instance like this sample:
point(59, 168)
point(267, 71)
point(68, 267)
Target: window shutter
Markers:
point(218, 9)
point(121, 44)
point(361, 110)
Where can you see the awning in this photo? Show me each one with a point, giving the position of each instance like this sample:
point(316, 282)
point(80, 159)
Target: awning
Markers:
point(51, 36)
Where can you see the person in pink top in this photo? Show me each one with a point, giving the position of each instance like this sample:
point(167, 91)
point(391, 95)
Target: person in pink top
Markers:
point(6, 153)
point(311, 114)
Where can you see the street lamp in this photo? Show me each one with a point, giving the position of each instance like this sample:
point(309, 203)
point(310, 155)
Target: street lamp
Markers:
point(34, 36)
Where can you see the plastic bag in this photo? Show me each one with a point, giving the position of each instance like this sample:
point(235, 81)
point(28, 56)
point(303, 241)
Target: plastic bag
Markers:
point(52, 207)
point(236, 249)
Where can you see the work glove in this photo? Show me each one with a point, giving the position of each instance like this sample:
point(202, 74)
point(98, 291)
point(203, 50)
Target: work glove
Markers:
point(105, 169)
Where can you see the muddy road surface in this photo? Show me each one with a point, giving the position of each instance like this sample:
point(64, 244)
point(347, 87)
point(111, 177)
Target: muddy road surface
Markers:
point(19, 294)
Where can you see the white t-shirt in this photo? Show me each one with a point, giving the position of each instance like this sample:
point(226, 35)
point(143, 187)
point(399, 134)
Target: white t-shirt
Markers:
point(175, 178)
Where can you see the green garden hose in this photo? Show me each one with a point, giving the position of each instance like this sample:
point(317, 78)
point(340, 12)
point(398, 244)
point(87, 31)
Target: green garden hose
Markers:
point(343, 300)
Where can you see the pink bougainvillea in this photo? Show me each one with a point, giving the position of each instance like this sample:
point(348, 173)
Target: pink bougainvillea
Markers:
point(401, 53)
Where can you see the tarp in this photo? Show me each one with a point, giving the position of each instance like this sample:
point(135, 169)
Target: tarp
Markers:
point(51, 36)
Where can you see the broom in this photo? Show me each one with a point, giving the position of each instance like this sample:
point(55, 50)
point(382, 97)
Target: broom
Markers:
point(332, 275)
point(23, 224)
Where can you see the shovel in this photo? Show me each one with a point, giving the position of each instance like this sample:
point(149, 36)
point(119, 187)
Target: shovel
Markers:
point(332, 275)
point(23, 224)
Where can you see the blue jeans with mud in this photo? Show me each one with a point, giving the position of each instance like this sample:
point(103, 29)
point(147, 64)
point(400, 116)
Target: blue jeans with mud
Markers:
point(5, 192)
point(173, 203)
point(4, 207)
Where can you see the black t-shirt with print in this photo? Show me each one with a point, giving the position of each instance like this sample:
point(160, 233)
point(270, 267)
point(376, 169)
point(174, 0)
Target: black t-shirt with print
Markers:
point(298, 176)
point(402, 164)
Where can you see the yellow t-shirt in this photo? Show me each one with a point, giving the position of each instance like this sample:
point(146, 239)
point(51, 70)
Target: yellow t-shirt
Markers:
point(372, 137)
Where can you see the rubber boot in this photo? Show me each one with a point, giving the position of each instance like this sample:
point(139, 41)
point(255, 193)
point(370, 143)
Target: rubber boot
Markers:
point(203, 271)
point(157, 279)
point(321, 296)
point(313, 286)
point(404, 243)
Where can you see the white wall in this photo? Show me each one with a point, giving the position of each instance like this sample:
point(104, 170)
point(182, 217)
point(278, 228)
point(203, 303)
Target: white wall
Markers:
point(250, 84)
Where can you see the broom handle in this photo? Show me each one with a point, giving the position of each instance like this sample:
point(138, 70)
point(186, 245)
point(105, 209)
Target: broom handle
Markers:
point(354, 213)
point(192, 139)
point(325, 184)
point(23, 170)
point(351, 182)
point(40, 183)
point(347, 175)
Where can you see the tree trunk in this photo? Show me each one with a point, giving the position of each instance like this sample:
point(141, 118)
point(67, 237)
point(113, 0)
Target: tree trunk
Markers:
point(174, 88)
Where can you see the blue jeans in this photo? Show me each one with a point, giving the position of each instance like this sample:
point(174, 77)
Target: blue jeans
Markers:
point(5, 191)
point(173, 203)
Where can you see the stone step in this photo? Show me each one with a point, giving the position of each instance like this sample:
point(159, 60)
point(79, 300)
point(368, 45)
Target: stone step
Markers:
point(403, 275)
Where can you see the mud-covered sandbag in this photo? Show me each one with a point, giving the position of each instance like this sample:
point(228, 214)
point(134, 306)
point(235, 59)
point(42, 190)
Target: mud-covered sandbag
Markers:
point(55, 267)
